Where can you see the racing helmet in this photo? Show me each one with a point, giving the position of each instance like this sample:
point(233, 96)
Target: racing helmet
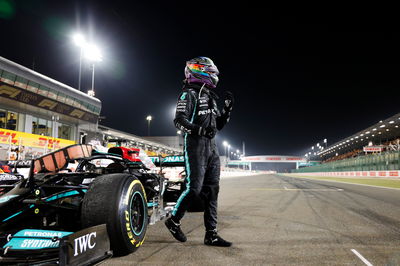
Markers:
point(202, 70)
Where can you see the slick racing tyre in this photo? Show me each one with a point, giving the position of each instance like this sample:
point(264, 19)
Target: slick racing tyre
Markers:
point(119, 201)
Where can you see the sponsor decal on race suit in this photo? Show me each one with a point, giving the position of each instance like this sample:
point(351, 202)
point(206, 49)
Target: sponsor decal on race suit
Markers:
point(81, 244)
point(205, 112)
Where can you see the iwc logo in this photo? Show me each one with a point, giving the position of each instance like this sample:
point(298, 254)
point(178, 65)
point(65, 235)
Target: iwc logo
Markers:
point(81, 244)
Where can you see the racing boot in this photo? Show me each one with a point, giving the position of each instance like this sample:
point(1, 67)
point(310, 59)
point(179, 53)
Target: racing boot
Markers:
point(175, 229)
point(213, 239)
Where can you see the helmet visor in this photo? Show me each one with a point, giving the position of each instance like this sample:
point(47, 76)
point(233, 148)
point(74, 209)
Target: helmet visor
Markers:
point(211, 69)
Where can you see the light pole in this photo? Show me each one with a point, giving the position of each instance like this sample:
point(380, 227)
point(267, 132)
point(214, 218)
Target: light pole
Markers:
point(312, 152)
point(93, 54)
point(225, 143)
point(79, 40)
point(148, 118)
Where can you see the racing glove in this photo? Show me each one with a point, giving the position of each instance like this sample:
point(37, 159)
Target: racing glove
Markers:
point(229, 101)
point(226, 111)
point(208, 132)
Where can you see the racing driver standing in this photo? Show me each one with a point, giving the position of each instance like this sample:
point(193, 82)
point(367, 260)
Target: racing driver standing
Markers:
point(198, 117)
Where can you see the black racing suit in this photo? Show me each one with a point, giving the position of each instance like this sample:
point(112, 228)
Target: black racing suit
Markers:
point(197, 109)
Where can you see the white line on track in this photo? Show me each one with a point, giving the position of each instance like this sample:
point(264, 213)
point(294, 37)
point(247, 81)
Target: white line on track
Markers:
point(299, 189)
point(361, 257)
point(334, 181)
point(285, 187)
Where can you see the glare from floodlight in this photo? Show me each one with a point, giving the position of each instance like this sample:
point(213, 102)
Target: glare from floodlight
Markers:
point(225, 143)
point(79, 39)
point(92, 53)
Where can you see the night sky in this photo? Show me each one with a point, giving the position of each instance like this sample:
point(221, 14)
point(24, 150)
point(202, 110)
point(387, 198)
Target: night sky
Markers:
point(299, 74)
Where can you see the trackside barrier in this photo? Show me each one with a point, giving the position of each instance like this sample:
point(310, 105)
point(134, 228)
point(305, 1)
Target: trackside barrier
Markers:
point(366, 174)
point(237, 173)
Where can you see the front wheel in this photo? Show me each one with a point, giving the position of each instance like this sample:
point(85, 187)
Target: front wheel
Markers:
point(119, 201)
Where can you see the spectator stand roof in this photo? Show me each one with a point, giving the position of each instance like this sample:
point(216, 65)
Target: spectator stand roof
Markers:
point(378, 134)
point(29, 74)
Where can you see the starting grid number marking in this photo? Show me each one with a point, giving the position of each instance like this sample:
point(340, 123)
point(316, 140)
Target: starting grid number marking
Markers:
point(361, 257)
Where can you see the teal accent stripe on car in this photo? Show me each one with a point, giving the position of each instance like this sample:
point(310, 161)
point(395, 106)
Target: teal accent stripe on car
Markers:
point(58, 196)
point(64, 195)
point(15, 214)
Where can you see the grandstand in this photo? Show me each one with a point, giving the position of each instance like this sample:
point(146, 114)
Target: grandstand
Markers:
point(376, 148)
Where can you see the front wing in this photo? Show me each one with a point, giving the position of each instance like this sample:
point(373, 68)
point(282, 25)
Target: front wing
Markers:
point(34, 246)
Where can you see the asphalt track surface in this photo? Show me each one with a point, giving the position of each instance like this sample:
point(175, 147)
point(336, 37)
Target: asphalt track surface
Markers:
point(279, 220)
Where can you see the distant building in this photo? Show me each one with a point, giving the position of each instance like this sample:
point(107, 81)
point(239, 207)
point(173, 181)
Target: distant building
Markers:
point(39, 114)
point(277, 163)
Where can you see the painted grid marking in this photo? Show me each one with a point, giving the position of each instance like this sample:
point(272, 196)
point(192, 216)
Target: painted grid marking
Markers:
point(361, 258)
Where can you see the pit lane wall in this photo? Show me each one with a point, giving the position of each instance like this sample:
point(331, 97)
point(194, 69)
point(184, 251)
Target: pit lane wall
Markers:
point(395, 174)
point(227, 172)
point(25, 146)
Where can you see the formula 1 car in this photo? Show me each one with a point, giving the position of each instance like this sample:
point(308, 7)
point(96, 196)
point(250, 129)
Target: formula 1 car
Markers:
point(84, 215)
